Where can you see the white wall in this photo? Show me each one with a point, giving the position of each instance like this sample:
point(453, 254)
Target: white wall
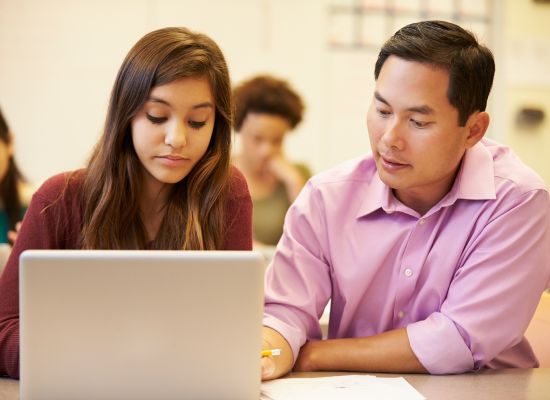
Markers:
point(59, 58)
point(526, 47)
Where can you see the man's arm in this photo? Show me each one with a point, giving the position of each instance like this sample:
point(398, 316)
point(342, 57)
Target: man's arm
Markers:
point(494, 291)
point(386, 352)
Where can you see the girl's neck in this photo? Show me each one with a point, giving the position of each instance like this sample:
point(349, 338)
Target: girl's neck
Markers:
point(152, 205)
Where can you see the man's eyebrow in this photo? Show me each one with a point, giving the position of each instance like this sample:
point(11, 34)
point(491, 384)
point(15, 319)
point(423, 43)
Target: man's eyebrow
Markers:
point(379, 97)
point(423, 109)
point(206, 104)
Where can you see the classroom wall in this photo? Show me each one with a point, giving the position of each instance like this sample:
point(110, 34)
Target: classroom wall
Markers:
point(58, 60)
point(526, 40)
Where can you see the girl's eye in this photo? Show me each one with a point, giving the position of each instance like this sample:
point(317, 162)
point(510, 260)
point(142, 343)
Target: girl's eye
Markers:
point(383, 113)
point(197, 124)
point(156, 120)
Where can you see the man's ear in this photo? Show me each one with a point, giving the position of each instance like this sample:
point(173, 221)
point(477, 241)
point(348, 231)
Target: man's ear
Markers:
point(476, 126)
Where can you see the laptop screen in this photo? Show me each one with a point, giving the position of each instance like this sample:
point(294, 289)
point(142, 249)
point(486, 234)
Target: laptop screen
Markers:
point(140, 324)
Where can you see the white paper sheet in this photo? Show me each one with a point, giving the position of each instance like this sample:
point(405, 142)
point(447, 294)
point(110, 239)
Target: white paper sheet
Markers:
point(365, 387)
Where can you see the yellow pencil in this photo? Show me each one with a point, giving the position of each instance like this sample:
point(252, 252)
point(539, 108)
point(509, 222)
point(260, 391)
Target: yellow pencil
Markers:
point(271, 352)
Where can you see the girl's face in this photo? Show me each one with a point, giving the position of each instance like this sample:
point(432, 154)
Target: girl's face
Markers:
point(172, 130)
point(6, 151)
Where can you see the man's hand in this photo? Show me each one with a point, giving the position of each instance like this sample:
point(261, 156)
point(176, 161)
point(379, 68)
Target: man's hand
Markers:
point(268, 368)
point(275, 366)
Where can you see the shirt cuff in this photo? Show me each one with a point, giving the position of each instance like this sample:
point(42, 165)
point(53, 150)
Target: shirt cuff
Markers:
point(438, 345)
point(293, 336)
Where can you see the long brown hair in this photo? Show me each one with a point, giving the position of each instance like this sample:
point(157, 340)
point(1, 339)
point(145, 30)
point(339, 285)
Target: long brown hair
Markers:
point(194, 216)
point(9, 190)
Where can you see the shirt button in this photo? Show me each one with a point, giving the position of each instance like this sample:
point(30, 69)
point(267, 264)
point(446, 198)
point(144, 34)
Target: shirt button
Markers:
point(421, 222)
point(400, 314)
point(408, 272)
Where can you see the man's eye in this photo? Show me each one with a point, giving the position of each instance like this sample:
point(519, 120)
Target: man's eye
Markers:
point(419, 124)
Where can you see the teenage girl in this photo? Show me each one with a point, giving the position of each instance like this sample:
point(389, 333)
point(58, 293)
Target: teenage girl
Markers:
point(159, 178)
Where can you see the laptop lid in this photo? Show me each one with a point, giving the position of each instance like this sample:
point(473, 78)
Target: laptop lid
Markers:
point(140, 324)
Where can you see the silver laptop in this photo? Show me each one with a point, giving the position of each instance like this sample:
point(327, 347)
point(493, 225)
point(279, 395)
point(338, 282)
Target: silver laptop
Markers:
point(140, 324)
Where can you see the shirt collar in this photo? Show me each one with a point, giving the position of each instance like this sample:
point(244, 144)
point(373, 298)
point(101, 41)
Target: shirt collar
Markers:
point(474, 181)
point(476, 177)
point(378, 195)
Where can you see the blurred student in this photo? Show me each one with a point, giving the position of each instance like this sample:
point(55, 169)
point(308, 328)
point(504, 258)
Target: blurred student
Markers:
point(267, 109)
point(434, 249)
point(159, 178)
point(15, 193)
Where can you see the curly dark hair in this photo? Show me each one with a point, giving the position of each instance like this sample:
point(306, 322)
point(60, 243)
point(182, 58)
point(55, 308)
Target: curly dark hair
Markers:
point(267, 94)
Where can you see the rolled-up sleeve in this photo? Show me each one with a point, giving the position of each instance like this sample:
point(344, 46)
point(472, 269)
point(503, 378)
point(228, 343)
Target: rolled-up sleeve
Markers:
point(297, 285)
point(439, 346)
point(494, 291)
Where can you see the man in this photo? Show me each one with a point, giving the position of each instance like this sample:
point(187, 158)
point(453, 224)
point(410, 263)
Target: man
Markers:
point(434, 249)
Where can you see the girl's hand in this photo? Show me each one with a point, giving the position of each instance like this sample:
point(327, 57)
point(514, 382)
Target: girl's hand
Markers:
point(287, 173)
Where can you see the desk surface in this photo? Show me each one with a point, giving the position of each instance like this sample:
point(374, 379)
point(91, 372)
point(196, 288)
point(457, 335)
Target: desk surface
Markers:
point(517, 384)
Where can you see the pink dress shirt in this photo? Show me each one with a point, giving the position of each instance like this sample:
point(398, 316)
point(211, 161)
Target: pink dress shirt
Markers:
point(464, 279)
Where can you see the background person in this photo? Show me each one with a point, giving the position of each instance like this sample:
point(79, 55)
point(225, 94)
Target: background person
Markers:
point(267, 109)
point(15, 193)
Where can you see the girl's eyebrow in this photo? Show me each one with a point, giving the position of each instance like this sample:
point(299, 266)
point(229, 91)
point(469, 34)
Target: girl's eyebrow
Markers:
point(205, 104)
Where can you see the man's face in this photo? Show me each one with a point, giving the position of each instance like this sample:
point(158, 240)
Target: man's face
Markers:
point(414, 133)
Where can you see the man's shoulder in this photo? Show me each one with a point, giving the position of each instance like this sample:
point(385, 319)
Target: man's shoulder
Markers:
point(511, 172)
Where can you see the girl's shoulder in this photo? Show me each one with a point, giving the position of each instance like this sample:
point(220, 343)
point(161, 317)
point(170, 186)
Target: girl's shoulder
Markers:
point(64, 183)
point(237, 184)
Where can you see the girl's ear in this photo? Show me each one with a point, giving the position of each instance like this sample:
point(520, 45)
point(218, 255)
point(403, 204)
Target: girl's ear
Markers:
point(476, 127)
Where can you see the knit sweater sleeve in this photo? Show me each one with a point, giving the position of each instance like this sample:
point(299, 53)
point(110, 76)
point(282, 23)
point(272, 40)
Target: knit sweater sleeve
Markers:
point(44, 227)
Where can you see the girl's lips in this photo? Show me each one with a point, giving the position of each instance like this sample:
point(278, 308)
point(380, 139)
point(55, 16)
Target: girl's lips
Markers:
point(172, 160)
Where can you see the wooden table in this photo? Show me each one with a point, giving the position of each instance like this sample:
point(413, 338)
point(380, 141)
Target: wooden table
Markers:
point(506, 384)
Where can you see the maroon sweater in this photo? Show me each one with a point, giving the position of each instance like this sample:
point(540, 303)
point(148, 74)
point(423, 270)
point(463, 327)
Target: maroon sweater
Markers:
point(59, 226)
